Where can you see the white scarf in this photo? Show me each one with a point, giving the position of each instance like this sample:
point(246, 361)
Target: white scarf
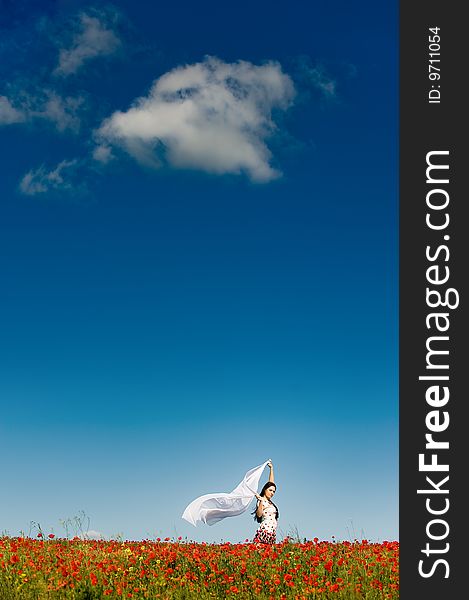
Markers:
point(212, 508)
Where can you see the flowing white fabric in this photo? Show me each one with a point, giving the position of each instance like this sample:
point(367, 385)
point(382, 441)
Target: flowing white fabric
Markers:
point(212, 508)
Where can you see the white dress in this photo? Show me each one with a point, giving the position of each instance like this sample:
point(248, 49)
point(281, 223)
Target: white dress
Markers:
point(266, 531)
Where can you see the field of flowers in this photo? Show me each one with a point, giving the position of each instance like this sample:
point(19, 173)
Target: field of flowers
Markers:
point(47, 567)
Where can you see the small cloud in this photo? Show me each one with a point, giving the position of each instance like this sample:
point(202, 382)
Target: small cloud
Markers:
point(93, 38)
point(9, 114)
point(46, 105)
point(316, 76)
point(103, 154)
point(320, 80)
point(40, 180)
point(211, 116)
point(91, 534)
point(60, 111)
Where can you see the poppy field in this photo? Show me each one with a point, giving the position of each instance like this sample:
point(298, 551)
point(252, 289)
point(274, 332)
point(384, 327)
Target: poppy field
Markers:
point(49, 567)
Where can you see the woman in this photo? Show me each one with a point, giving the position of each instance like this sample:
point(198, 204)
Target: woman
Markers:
point(266, 512)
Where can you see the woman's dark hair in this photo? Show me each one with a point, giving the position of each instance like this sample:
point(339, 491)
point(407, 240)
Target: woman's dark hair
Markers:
point(262, 493)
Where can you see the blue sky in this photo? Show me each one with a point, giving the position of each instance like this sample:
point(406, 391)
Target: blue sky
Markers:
point(199, 252)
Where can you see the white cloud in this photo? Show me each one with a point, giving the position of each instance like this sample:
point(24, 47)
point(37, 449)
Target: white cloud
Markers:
point(91, 534)
point(316, 76)
point(319, 79)
point(61, 111)
point(94, 38)
point(40, 180)
point(103, 154)
point(46, 105)
point(8, 113)
point(212, 116)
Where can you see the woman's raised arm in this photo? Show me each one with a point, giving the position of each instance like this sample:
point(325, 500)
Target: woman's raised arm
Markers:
point(271, 474)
